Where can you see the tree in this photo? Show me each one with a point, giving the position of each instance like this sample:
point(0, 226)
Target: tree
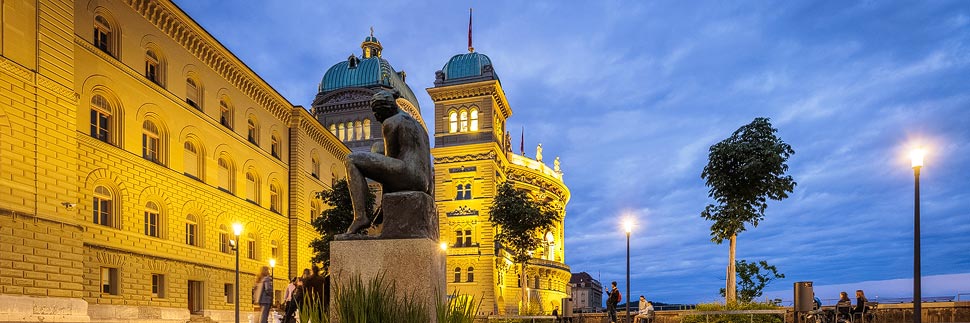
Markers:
point(335, 220)
point(522, 221)
point(752, 280)
point(743, 172)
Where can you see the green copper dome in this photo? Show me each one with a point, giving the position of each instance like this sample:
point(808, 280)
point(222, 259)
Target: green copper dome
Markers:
point(469, 65)
point(366, 72)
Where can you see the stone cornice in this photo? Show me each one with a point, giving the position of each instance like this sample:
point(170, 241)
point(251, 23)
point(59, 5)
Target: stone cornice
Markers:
point(183, 30)
point(547, 184)
point(25, 75)
point(489, 155)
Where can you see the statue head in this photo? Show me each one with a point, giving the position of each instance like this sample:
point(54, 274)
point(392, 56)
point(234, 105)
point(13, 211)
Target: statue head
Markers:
point(383, 104)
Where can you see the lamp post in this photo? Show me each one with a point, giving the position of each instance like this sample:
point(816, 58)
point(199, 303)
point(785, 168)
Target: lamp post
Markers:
point(628, 226)
point(917, 157)
point(272, 268)
point(237, 230)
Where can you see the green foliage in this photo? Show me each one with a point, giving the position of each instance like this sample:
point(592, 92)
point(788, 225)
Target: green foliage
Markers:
point(335, 220)
point(375, 302)
point(733, 318)
point(522, 220)
point(458, 309)
point(743, 171)
point(312, 309)
point(752, 281)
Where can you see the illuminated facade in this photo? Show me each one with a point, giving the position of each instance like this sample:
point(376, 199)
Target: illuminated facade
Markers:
point(130, 142)
point(472, 156)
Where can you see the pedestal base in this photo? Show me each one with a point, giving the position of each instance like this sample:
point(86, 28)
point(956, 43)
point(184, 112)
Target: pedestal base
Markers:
point(415, 266)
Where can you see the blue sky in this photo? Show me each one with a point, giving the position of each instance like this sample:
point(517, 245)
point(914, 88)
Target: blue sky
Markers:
point(631, 94)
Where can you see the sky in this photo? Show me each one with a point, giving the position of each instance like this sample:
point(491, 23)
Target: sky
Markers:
point(631, 95)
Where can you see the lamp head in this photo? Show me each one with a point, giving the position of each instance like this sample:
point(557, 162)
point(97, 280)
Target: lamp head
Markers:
point(237, 228)
point(444, 246)
point(917, 156)
point(272, 263)
point(628, 225)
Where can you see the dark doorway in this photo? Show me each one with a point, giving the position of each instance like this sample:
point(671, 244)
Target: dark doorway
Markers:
point(195, 297)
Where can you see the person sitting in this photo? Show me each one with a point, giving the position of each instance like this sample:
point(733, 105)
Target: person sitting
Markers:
point(843, 307)
point(646, 311)
point(860, 305)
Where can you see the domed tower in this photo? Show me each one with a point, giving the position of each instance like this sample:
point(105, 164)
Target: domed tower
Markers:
point(472, 156)
point(342, 103)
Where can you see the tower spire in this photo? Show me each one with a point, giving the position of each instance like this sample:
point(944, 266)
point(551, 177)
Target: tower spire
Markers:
point(470, 48)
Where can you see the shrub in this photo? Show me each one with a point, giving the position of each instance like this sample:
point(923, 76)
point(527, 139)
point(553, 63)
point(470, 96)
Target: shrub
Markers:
point(733, 318)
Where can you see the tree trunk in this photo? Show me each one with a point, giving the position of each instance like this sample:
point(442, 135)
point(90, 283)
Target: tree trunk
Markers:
point(730, 291)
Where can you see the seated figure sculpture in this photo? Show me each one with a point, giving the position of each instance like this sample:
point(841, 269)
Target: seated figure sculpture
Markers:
point(404, 166)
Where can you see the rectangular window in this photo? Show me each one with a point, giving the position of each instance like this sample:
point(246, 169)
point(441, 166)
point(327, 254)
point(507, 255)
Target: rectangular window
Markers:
point(224, 242)
point(158, 285)
point(458, 236)
point(99, 125)
point(468, 238)
point(151, 224)
point(229, 292)
point(251, 249)
point(150, 144)
point(109, 280)
point(102, 211)
point(101, 40)
point(190, 234)
point(151, 71)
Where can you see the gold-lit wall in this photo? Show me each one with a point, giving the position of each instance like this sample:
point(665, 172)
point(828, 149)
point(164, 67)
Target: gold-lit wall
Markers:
point(112, 177)
point(475, 157)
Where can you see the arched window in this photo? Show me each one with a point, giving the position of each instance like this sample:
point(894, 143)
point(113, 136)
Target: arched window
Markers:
point(460, 192)
point(471, 274)
point(152, 220)
point(252, 132)
point(103, 211)
point(251, 246)
point(101, 118)
point(191, 230)
point(224, 240)
point(453, 122)
point(153, 67)
point(468, 192)
point(274, 147)
point(350, 131)
point(315, 167)
point(474, 126)
point(340, 132)
point(151, 142)
point(463, 121)
point(367, 129)
point(225, 114)
point(102, 35)
point(333, 129)
point(252, 187)
point(225, 175)
point(191, 160)
point(358, 130)
point(193, 95)
point(275, 202)
point(457, 274)
point(536, 279)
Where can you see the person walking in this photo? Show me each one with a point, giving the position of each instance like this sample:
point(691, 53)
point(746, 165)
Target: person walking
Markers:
point(289, 305)
point(263, 293)
point(611, 301)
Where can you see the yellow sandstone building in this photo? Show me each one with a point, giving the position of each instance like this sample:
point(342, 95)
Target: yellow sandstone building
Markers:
point(130, 142)
point(472, 156)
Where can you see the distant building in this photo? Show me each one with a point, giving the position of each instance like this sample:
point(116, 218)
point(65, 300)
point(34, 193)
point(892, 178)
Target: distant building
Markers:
point(587, 293)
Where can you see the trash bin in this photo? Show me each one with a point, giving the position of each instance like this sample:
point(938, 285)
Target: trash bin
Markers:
point(804, 297)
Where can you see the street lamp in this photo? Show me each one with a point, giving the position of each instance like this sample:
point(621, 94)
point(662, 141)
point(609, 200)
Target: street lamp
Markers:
point(237, 230)
point(628, 226)
point(272, 268)
point(917, 157)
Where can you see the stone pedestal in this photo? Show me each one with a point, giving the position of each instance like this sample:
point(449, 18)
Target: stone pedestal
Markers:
point(409, 215)
point(416, 266)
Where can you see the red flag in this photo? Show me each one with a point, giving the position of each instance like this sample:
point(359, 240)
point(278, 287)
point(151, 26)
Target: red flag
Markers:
point(522, 143)
point(470, 48)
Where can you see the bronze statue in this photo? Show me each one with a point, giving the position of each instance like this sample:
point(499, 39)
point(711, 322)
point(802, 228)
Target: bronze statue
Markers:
point(405, 164)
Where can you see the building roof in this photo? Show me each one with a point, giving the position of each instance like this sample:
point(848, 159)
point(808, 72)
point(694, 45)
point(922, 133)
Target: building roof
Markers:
point(368, 71)
point(467, 68)
point(581, 277)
